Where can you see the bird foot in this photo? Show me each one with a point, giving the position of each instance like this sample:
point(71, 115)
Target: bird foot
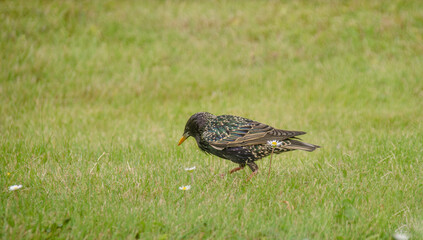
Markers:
point(252, 175)
point(235, 170)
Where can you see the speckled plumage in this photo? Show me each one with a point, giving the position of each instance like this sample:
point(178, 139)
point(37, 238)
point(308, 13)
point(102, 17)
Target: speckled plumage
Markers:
point(239, 139)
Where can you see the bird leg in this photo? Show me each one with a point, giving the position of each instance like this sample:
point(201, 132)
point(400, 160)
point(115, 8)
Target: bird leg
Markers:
point(252, 175)
point(253, 168)
point(241, 166)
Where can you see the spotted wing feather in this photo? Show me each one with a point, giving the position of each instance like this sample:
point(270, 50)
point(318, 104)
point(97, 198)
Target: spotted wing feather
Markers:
point(232, 131)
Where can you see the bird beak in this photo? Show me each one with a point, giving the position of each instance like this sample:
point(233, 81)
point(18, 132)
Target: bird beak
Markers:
point(182, 140)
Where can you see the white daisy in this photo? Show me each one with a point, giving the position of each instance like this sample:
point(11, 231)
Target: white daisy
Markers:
point(191, 169)
point(185, 188)
point(14, 187)
point(274, 143)
point(401, 236)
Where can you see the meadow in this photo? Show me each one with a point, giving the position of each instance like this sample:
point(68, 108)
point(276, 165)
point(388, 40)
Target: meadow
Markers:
point(94, 96)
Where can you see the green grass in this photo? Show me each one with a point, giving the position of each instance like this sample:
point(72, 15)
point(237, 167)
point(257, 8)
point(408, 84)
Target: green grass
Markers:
point(79, 78)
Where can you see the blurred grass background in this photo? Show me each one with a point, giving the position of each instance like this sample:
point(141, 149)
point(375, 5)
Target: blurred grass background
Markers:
point(79, 78)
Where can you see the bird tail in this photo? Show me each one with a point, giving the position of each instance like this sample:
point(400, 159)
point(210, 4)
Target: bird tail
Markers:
point(297, 145)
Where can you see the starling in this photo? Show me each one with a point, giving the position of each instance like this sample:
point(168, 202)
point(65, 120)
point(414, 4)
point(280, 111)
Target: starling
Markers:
point(240, 140)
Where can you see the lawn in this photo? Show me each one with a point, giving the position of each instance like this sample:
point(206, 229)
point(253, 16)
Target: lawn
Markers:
point(95, 95)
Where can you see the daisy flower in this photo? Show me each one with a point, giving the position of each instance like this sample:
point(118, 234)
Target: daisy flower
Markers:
point(185, 188)
point(274, 143)
point(191, 169)
point(14, 187)
point(401, 236)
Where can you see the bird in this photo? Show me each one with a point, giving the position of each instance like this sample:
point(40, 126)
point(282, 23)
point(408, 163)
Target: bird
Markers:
point(241, 140)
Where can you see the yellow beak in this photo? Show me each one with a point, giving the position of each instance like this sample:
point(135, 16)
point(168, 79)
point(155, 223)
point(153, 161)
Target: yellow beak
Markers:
point(182, 140)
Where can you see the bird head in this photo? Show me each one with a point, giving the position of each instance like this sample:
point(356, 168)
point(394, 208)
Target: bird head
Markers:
point(195, 126)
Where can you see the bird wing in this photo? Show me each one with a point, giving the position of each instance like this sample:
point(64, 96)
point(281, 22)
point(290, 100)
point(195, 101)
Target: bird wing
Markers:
point(233, 131)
